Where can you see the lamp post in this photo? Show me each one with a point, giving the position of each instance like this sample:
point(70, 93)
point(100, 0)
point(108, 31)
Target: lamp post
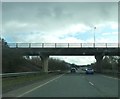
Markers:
point(94, 34)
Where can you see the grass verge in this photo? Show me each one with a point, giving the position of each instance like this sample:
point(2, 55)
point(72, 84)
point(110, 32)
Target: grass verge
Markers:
point(114, 75)
point(11, 83)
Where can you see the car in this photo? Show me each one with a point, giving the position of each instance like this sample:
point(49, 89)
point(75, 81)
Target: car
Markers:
point(89, 71)
point(73, 70)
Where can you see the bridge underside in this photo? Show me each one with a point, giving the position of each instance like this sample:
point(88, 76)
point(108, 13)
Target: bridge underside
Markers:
point(68, 51)
point(44, 53)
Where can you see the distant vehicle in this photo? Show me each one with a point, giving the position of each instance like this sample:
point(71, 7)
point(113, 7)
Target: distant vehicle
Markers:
point(89, 71)
point(73, 70)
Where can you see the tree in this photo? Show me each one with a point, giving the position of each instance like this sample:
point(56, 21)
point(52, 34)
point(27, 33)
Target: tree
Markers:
point(10, 59)
point(56, 64)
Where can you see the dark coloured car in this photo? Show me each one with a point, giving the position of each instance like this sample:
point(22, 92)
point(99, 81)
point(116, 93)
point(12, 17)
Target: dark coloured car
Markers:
point(73, 70)
point(89, 71)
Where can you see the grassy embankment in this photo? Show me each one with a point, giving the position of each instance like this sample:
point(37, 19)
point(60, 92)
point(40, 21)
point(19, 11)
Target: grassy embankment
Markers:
point(111, 73)
point(12, 83)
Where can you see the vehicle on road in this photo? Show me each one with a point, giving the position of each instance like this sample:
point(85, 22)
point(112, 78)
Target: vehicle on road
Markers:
point(89, 71)
point(73, 70)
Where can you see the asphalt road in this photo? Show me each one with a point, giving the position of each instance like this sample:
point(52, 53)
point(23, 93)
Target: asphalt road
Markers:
point(71, 85)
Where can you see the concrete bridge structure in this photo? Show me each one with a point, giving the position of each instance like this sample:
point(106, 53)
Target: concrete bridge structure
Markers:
point(44, 50)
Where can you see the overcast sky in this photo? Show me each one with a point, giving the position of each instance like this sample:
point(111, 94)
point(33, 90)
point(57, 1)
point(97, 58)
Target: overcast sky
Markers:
point(63, 22)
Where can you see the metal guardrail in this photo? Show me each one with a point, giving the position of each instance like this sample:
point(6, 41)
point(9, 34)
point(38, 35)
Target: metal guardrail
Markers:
point(63, 45)
point(5, 75)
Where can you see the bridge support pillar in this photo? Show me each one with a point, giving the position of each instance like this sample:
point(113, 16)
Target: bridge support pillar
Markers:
point(44, 59)
point(98, 63)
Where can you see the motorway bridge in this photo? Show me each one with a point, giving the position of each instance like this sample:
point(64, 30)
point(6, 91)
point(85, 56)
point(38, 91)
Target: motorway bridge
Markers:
point(44, 50)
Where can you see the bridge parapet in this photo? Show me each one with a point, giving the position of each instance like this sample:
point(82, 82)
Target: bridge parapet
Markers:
point(64, 45)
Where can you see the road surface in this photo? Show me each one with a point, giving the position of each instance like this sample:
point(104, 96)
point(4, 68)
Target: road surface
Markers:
point(70, 85)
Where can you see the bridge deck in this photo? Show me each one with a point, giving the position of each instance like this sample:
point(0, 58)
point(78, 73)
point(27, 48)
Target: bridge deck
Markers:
point(66, 48)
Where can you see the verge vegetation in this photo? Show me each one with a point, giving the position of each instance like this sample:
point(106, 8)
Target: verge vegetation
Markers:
point(13, 83)
point(14, 62)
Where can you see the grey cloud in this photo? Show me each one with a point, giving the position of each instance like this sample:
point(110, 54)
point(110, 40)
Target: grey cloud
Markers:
point(28, 10)
point(50, 16)
point(88, 13)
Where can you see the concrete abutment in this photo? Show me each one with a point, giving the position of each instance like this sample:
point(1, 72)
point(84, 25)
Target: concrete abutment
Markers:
point(99, 63)
point(44, 59)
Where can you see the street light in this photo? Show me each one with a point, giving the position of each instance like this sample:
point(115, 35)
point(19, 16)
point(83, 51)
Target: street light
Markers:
point(94, 34)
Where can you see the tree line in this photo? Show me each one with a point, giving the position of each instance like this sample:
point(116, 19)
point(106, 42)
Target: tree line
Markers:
point(109, 63)
point(12, 61)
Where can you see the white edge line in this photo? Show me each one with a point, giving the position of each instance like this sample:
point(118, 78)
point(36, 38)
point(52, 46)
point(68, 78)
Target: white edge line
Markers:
point(40, 86)
point(111, 77)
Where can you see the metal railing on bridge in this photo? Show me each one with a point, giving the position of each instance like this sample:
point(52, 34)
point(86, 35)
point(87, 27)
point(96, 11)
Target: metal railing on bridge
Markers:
point(63, 45)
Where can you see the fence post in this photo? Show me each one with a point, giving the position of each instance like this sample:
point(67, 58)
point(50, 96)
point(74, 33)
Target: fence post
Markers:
point(68, 45)
point(42, 45)
point(29, 45)
point(94, 45)
point(106, 45)
point(81, 45)
point(55, 45)
point(16, 45)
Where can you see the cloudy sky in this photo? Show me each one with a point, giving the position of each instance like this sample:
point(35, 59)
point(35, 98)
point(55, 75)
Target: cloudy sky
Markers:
point(63, 22)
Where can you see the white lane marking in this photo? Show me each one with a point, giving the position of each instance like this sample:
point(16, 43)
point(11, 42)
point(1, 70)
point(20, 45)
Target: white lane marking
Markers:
point(111, 77)
point(40, 86)
point(91, 83)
